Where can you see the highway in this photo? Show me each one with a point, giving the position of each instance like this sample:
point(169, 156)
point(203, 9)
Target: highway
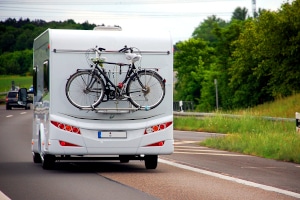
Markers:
point(192, 172)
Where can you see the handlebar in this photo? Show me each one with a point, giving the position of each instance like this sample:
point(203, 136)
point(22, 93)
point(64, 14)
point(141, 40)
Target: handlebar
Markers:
point(125, 49)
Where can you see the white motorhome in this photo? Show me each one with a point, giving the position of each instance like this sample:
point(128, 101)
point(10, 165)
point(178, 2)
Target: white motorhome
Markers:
point(113, 130)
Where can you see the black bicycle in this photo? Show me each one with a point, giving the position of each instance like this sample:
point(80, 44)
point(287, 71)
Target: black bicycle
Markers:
point(87, 88)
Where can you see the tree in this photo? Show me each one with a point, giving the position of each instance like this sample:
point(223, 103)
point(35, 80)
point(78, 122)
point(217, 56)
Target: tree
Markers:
point(205, 29)
point(267, 56)
point(191, 59)
point(240, 14)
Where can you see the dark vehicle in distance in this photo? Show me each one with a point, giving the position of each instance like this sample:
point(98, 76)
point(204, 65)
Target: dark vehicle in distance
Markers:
point(12, 101)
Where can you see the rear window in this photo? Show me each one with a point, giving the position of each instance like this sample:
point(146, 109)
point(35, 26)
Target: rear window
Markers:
point(12, 94)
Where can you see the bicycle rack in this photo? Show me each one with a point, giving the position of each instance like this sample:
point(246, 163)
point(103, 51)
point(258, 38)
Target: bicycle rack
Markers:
point(112, 110)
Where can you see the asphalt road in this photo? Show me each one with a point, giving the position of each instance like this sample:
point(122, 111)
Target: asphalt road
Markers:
point(192, 172)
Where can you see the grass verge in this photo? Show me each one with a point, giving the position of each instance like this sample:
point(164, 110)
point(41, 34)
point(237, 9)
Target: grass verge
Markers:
point(249, 135)
point(20, 81)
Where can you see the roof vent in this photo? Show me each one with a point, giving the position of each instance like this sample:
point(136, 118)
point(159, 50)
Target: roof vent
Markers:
point(107, 28)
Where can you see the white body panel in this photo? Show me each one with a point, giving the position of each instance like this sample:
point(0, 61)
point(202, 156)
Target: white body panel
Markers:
point(57, 55)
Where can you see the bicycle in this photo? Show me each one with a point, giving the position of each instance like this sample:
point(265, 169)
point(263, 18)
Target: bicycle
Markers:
point(144, 88)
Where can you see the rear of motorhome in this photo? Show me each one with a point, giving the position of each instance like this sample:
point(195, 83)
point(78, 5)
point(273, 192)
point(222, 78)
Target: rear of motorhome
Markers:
point(115, 129)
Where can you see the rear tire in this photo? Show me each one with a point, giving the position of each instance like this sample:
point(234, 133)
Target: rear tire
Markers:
point(8, 107)
point(151, 95)
point(37, 158)
point(151, 161)
point(81, 93)
point(48, 161)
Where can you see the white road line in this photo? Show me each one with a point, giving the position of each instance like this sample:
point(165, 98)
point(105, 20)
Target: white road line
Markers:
point(3, 196)
point(22, 113)
point(198, 149)
point(236, 180)
point(211, 154)
point(9, 116)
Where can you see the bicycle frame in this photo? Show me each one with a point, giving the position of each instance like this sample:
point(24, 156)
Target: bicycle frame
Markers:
point(131, 70)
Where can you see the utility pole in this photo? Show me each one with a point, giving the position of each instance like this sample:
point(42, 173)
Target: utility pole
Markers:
point(217, 98)
point(254, 8)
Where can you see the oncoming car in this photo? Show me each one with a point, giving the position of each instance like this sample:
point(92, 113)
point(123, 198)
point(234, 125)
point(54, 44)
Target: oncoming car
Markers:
point(12, 101)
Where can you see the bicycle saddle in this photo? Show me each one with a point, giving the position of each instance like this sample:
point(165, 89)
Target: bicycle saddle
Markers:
point(133, 57)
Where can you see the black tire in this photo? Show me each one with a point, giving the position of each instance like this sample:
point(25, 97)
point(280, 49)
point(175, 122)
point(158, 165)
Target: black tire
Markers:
point(151, 95)
point(48, 161)
point(27, 107)
point(151, 161)
point(8, 107)
point(36, 158)
point(77, 92)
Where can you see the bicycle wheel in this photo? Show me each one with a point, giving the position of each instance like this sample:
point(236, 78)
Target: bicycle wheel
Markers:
point(84, 89)
point(146, 89)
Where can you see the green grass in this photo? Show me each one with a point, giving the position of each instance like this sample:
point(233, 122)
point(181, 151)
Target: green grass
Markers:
point(20, 81)
point(250, 134)
point(281, 107)
point(6, 83)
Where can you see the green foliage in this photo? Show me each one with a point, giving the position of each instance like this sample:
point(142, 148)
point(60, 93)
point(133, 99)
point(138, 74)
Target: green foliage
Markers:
point(19, 35)
point(193, 58)
point(240, 14)
point(255, 60)
point(16, 41)
point(18, 62)
point(206, 28)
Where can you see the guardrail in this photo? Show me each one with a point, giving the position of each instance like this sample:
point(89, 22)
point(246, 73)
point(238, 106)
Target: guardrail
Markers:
point(197, 114)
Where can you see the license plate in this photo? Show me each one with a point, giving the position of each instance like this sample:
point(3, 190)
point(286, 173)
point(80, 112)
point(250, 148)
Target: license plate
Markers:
point(112, 134)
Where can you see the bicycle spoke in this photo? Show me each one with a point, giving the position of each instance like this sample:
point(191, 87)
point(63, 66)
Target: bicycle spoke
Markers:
point(147, 91)
point(84, 90)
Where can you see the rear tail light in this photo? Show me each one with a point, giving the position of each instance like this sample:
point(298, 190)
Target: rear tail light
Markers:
point(66, 127)
point(67, 144)
point(157, 127)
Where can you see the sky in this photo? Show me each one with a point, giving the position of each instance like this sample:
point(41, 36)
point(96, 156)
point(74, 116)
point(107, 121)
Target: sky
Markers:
point(180, 17)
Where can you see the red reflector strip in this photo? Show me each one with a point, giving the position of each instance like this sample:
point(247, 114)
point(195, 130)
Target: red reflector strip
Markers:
point(67, 144)
point(157, 144)
point(66, 127)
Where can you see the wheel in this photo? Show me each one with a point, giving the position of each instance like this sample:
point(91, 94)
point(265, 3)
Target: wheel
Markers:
point(85, 90)
point(27, 107)
point(151, 161)
point(146, 89)
point(37, 158)
point(48, 161)
point(8, 107)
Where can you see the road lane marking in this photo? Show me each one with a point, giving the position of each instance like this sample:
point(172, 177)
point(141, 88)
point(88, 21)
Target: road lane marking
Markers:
point(22, 113)
point(250, 167)
point(3, 196)
point(229, 178)
point(197, 149)
point(204, 151)
point(211, 154)
point(185, 142)
point(9, 116)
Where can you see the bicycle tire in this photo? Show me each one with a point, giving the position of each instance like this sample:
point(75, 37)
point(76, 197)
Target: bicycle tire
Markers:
point(153, 94)
point(77, 92)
